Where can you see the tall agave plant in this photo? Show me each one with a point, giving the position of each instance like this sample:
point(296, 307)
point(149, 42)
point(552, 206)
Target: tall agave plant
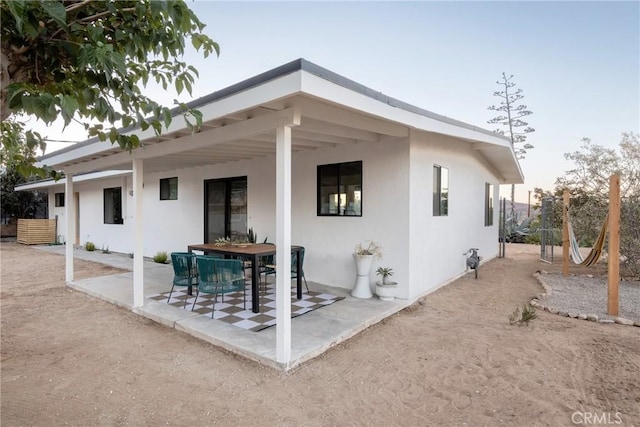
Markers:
point(517, 232)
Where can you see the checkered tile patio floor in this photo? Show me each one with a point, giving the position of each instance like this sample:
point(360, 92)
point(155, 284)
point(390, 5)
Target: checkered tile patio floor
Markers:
point(232, 311)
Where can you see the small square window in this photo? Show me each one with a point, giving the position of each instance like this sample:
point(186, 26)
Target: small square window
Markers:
point(169, 188)
point(340, 189)
point(59, 200)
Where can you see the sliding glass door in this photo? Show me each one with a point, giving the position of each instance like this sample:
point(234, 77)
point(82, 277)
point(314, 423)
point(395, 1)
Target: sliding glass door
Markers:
point(225, 208)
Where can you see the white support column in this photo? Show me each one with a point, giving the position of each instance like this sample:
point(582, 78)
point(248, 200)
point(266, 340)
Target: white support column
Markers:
point(70, 214)
point(138, 236)
point(283, 244)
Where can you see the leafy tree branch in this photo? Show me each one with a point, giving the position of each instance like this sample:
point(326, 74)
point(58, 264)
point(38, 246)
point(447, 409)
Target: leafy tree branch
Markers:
point(86, 61)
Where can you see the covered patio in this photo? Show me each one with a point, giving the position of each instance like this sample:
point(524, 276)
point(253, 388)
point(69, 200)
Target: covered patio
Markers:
point(312, 333)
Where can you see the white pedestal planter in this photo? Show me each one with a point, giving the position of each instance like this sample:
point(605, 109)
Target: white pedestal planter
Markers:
point(362, 289)
point(386, 292)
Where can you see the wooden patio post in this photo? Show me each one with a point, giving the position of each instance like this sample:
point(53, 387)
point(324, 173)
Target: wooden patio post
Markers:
point(614, 244)
point(565, 232)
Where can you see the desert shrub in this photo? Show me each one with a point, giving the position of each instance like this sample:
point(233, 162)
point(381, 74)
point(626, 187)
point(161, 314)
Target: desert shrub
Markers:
point(161, 257)
point(90, 246)
point(533, 238)
point(630, 235)
point(524, 316)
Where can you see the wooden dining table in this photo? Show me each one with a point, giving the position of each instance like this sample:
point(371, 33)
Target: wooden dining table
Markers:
point(252, 252)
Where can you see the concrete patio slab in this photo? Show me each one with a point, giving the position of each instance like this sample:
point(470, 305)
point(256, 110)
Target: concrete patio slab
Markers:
point(311, 334)
point(163, 313)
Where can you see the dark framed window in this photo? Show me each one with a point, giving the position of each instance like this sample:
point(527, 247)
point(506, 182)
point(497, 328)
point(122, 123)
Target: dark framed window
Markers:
point(113, 205)
point(169, 188)
point(440, 191)
point(488, 204)
point(340, 189)
point(59, 200)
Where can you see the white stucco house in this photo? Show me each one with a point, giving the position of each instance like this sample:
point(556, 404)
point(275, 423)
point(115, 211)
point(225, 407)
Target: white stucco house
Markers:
point(304, 156)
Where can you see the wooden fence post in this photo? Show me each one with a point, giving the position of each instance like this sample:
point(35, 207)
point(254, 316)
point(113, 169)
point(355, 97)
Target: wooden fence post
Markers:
point(614, 244)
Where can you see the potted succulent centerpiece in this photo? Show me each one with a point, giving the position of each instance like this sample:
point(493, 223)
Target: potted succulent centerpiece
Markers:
point(385, 288)
point(363, 256)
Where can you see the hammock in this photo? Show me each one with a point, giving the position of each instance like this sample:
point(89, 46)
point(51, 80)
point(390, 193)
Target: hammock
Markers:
point(596, 251)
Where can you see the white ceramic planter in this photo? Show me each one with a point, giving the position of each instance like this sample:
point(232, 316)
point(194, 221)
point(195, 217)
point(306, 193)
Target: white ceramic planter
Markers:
point(362, 288)
point(386, 292)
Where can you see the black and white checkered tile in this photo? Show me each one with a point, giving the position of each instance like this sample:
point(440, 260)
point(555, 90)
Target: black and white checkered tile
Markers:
point(230, 307)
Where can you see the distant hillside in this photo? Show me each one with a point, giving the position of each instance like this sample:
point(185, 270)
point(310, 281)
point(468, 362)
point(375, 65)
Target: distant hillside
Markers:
point(521, 209)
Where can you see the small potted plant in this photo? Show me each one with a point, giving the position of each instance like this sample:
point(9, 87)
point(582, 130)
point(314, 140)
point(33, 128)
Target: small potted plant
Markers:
point(369, 249)
point(386, 289)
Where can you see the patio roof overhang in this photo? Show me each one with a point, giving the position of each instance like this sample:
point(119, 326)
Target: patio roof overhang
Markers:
point(239, 122)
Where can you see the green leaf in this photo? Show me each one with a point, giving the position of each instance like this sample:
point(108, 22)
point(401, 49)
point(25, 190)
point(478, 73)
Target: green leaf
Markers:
point(32, 29)
point(16, 8)
point(187, 85)
point(198, 116)
point(96, 32)
point(196, 42)
point(102, 108)
point(167, 117)
point(86, 56)
point(119, 62)
point(41, 105)
point(126, 121)
point(15, 93)
point(33, 140)
point(57, 11)
point(194, 70)
point(68, 107)
point(88, 96)
point(113, 135)
point(157, 126)
point(134, 141)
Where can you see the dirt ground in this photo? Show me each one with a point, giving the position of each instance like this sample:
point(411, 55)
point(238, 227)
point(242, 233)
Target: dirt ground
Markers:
point(452, 359)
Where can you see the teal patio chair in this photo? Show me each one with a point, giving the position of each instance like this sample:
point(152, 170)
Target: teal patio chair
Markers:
point(271, 268)
point(184, 272)
point(220, 276)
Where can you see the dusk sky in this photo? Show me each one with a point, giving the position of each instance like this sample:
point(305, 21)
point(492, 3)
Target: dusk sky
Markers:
point(577, 62)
